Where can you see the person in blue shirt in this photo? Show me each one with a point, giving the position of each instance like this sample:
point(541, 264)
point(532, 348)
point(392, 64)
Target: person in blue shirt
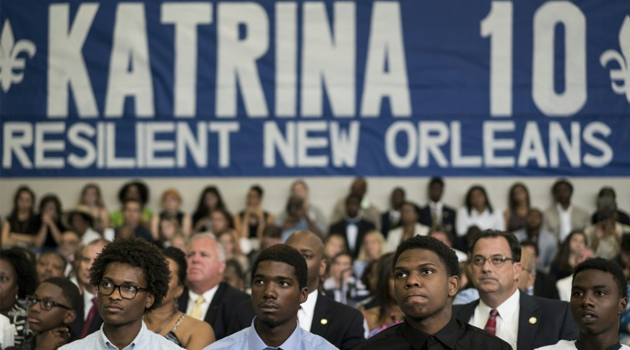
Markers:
point(279, 277)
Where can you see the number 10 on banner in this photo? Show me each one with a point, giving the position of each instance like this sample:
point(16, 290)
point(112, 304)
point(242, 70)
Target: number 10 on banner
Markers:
point(498, 26)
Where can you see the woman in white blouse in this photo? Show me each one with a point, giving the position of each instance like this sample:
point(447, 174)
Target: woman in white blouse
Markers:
point(478, 211)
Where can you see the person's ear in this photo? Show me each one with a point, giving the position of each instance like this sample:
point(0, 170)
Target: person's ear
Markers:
point(623, 303)
point(518, 267)
point(179, 291)
point(453, 286)
point(150, 300)
point(69, 317)
point(303, 294)
point(322, 267)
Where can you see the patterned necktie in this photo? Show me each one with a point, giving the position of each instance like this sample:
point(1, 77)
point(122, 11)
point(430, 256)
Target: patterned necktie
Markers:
point(491, 325)
point(90, 318)
point(196, 310)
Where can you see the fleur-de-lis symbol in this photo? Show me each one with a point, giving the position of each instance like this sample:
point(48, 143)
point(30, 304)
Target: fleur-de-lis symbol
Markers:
point(11, 65)
point(620, 78)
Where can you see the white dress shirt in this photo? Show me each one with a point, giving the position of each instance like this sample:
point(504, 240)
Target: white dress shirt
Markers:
point(484, 221)
point(207, 296)
point(507, 320)
point(436, 211)
point(144, 340)
point(565, 221)
point(87, 301)
point(307, 311)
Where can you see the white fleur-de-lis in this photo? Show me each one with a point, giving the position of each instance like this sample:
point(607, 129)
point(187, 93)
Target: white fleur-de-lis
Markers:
point(620, 78)
point(12, 66)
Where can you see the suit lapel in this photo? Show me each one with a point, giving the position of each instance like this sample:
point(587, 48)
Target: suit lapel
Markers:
point(321, 316)
point(211, 314)
point(528, 320)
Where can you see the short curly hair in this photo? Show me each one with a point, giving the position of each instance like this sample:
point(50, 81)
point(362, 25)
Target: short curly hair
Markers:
point(446, 254)
point(139, 253)
point(608, 266)
point(285, 254)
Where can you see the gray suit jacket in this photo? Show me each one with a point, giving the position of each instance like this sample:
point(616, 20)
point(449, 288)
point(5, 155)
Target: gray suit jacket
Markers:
point(579, 219)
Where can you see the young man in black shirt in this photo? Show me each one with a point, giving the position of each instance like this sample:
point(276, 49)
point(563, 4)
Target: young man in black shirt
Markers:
point(425, 283)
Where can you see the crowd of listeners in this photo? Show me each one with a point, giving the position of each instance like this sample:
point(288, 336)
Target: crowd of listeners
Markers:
point(57, 266)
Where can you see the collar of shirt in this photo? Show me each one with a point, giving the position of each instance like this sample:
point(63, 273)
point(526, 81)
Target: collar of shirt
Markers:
point(207, 296)
point(292, 342)
point(510, 306)
point(447, 335)
point(507, 322)
point(139, 339)
point(616, 346)
point(561, 210)
point(87, 301)
point(308, 307)
point(436, 206)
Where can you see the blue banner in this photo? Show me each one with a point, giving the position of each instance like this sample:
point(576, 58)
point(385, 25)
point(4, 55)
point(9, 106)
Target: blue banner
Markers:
point(314, 88)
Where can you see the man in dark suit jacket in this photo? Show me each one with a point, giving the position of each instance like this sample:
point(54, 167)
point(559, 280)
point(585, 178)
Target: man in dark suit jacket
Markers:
point(436, 208)
point(85, 257)
point(207, 298)
point(340, 324)
point(496, 267)
point(391, 218)
point(353, 228)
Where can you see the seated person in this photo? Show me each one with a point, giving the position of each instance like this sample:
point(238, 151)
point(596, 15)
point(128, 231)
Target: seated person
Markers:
point(353, 227)
point(279, 277)
point(534, 231)
point(598, 296)
point(51, 309)
point(409, 227)
point(622, 216)
point(131, 225)
point(605, 235)
point(132, 278)
point(425, 282)
point(50, 264)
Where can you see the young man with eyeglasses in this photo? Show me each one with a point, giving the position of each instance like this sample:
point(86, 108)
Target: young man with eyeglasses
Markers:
point(51, 309)
point(525, 322)
point(131, 278)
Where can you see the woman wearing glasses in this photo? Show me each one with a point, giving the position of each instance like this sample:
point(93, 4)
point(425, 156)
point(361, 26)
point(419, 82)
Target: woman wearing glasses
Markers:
point(17, 280)
point(51, 309)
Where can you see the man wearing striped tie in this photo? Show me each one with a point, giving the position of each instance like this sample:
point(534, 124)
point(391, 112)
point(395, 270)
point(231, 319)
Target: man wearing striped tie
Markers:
point(525, 322)
point(207, 298)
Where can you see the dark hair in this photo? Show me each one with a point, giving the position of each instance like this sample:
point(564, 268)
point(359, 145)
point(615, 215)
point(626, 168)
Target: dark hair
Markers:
point(285, 254)
point(51, 198)
point(563, 254)
point(69, 290)
point(446, 254)
point(57, 254)
point(19, 191)
point(625, 242)
point(272, 231)
point(604, 265)
point(143, 190)
point(133, 200)
point(203, 210)
point(258, 190)
point(601, 192)
point(528, 243)
point(561, 182)
point(139, 253)
point(436, 180)
point(511, 200)
point(340, 254)
point(179, 258)
point(236, 266)
point(512, 241)
point(485, 195)
point(24, 270)
point(226, 215)
point(382, 297)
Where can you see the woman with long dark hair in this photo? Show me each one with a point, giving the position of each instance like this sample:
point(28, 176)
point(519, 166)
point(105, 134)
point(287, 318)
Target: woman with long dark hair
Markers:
point(566, 258)
point(209, 201)
point(21, 226)
point(386, 313)
point(478, 212)
point(518, 207)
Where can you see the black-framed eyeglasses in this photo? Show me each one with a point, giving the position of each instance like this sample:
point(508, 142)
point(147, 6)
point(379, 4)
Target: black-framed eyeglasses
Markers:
point(496, 260)
point(44, 304)
point(127, 291)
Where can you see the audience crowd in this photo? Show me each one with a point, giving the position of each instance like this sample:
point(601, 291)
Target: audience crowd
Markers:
point(77, 277)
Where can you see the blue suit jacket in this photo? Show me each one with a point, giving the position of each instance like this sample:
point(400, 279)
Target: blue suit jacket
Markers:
point(541, 321)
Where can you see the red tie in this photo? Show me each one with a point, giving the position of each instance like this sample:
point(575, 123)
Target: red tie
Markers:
point(491, 325)
point(89, 318)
